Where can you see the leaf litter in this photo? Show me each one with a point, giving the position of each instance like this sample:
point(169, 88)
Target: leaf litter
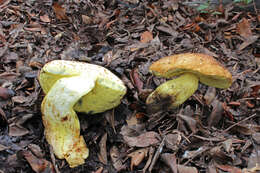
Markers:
point(213, 131)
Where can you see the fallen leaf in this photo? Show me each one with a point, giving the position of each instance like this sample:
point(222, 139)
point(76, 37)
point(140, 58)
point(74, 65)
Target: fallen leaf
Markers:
point(2, 147)
point(170, 160)
point(86, 19)
point(146, 37)
point(45, 18)
point(6, 93)
point(244, 29)
point(116, 159)
point(210, 95)
point(187, 169)
point(59, 11)
point(37, 151)
point(4, 3)
point(38, 165)
point(19, 99)
point(137, 157)
point(144, 140)
point(100, 170)
point(216, 113)
point(103, 149)
point(229, 168)
point(134, 76)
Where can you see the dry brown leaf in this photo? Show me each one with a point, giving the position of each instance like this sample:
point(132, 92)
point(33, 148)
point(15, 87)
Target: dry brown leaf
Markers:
point(244, 29)
point(100, 170)
point(45, 18)
point(216, 113)
point(146, 37)
point(170, 160)
point(187, 169)
point(229, 168)
point(137, 157)
point(116, 160)
point(59, 11)
point(144, 140)
point(210, 95)
point(6, 93)
point(38, 165)
point(103, 149)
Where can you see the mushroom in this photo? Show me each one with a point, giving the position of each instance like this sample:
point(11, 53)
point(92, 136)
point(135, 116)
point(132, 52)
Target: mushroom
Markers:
point(69, 87)
point(191, 68)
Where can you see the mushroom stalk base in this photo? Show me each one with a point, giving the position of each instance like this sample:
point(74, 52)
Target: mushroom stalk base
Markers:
point(172, 93)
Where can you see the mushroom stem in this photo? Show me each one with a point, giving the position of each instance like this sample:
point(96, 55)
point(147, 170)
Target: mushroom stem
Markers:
point(62, 128)
point(173, 92)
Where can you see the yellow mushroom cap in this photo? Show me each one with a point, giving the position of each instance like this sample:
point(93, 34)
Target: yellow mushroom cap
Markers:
point(209, 71)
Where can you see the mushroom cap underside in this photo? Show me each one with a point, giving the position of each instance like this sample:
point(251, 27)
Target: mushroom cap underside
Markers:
point(205, 67)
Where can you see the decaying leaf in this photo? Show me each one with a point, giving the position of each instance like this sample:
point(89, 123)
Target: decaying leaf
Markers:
point(187, 169)
point(171, 161)
point(116, 159)
point(103, 149)
point(244, 28)
point(229, 168)
point(38, 165)
point(146, 37)
point(137, 157)
point(144, 140)
point(59, 11)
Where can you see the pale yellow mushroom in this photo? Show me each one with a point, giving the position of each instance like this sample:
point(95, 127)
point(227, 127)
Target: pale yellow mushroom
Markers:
point(190, 69)
point(69, 87)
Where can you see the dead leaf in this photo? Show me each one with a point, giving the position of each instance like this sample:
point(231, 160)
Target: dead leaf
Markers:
point(187, 169)
point(116, 159)
point(86, 19)
point(59, 11)
point(144, 140)
point(45, 18)
point(137, 157)
point(38, 165)
point(16, 130)
point(172, 141)
point(103, 149)
point(37, 151)
point(146, 37)
point(4, 3)
point(216, 113)
point(170, 160)
point(134, 76)
point(6, 93)
point(244, 28)
point(194, 153)
point(2, 147)
point(100, 170)
point(191, 122)
point(210, 95)
point(220, 155)
point(19, 99)
point(229, 168)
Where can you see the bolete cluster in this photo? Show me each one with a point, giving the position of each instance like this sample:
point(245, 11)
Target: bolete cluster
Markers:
point(190, 68)
point(69, 87)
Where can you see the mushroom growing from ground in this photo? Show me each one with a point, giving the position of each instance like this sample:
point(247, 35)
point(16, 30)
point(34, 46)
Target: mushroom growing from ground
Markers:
point(191, 68)
point(69, 87)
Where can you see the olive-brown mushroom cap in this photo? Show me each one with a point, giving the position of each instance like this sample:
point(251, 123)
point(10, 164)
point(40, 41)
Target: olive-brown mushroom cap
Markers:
point(205, 67)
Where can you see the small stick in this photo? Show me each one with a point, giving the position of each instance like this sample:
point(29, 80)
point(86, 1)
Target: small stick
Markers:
point(157, 154)
point(238, 123)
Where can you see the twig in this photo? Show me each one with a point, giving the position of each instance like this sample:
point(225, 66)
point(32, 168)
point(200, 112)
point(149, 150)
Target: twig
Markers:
point(238, 123)
point(157, 154)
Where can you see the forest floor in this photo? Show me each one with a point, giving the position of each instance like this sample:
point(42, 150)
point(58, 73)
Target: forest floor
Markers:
point(215, 130)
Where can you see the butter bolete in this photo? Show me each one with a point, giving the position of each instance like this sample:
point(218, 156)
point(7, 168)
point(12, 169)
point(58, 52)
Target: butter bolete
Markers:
point(72, 87)
point(190, 69)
